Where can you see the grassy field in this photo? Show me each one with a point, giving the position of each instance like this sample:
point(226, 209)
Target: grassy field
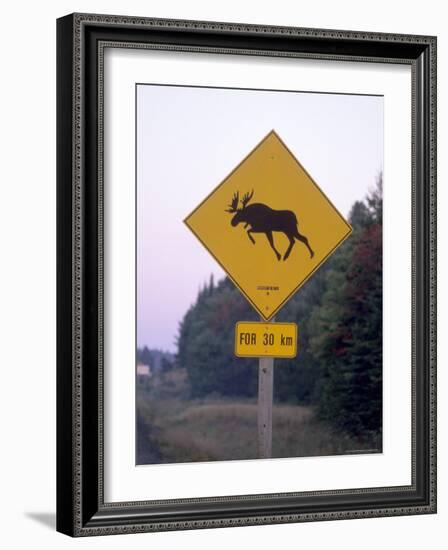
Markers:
point(173, 428)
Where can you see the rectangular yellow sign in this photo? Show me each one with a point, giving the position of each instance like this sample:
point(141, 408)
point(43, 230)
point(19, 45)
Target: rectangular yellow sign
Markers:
point(265, 339)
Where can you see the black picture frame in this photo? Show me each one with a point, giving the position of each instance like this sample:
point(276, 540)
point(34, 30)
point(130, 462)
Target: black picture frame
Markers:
point(81, 509)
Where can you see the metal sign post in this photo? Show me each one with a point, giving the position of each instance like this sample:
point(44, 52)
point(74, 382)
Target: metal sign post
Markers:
point(265, 399)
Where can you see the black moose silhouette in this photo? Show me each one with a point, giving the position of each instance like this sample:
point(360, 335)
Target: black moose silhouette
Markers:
point(263, 219)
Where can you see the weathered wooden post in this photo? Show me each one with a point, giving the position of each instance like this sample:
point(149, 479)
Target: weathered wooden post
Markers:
point(265, 341)
point(265, 398)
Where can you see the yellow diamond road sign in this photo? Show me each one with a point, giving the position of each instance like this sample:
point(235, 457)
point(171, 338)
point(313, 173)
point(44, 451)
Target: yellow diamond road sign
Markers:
point(269, 225)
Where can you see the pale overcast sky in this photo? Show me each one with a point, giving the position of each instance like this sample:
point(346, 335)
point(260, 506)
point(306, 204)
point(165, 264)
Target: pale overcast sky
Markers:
point(190, 138)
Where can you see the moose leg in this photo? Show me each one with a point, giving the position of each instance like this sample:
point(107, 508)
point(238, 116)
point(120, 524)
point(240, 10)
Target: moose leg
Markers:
point(271, 242)
point(304, 240)
point(250, 236)
point(291, 244)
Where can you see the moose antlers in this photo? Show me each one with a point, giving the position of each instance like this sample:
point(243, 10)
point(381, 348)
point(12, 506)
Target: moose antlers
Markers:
point(246, 198)
point(233, 206)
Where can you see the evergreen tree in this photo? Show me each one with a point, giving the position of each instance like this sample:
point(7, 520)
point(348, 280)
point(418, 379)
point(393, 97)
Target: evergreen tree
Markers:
point(295, 379)
point(347, 329)
point(206, 344)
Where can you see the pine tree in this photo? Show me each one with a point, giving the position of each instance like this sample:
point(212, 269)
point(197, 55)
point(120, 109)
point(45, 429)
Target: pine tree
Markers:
point(206, 344)
point(347, 329)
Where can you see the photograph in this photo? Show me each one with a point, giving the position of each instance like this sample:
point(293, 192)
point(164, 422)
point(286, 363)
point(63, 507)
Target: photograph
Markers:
point(257, 206)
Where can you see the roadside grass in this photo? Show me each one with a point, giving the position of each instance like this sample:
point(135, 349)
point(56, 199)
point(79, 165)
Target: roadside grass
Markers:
point(186, 430)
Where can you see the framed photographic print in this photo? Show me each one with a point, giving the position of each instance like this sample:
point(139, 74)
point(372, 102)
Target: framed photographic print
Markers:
point(246, 274)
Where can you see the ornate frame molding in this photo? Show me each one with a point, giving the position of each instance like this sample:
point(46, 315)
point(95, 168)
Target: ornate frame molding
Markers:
point(81, 42)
